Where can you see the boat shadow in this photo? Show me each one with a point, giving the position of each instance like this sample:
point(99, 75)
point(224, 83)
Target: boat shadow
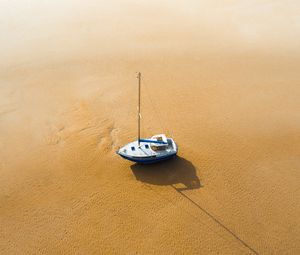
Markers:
point(177, 172)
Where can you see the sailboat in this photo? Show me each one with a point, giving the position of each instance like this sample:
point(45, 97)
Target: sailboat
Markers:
point(150, 150)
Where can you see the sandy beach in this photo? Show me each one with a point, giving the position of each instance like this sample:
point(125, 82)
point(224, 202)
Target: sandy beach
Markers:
point(221, 77)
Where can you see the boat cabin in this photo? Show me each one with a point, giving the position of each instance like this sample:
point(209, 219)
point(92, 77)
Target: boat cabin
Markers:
point(159, 146)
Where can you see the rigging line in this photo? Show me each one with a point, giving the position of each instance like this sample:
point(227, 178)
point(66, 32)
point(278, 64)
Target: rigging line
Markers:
point(154, 108)
point(217, 221)
point(153, 105)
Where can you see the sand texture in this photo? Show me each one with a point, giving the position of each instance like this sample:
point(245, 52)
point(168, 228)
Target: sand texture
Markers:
point(221, 77)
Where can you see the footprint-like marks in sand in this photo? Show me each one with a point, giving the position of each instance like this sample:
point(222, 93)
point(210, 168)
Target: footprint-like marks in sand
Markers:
point(83, 128)
point(107, 136)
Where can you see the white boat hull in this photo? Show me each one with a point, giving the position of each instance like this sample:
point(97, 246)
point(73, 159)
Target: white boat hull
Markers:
point(147, 152)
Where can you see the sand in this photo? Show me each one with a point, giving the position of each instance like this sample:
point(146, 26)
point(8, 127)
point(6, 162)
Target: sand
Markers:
point(221, 78)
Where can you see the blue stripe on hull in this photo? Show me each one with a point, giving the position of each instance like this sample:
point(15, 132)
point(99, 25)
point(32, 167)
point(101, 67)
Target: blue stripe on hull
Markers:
point(148, 161)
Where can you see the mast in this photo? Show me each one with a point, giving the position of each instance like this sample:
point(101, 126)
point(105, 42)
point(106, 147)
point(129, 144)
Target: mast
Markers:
point(139, 109)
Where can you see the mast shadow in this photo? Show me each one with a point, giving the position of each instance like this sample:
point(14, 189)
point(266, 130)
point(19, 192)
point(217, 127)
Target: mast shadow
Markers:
point(178, 172)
